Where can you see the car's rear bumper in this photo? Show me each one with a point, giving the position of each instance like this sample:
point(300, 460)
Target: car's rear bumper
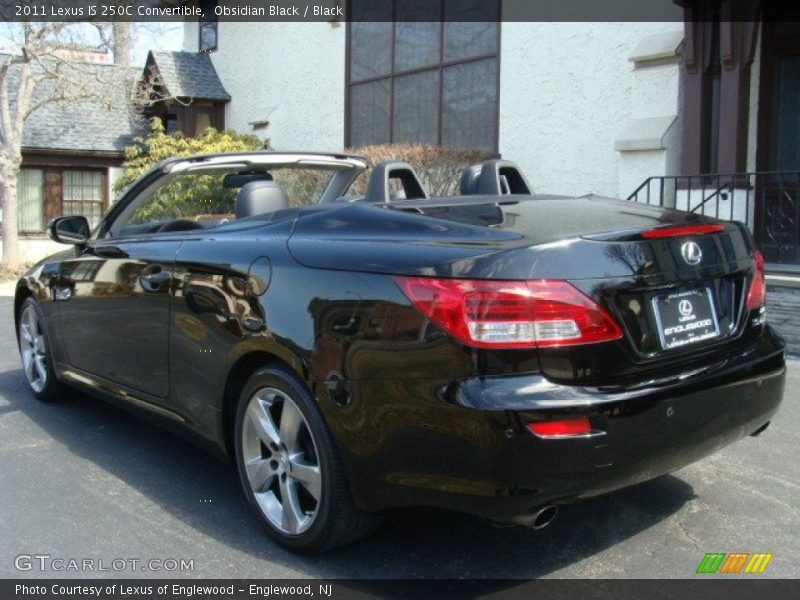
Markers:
point(645, 437)
point(469, 448)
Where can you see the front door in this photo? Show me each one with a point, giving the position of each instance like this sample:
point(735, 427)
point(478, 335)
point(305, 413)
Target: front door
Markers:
point(113, 302)
point(779, 144)
point(114, 299)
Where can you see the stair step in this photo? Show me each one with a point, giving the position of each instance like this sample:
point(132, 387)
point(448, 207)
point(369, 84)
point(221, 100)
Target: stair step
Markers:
point(783, 281)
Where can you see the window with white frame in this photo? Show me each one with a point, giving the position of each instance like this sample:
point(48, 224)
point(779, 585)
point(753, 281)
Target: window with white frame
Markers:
point(83, 194)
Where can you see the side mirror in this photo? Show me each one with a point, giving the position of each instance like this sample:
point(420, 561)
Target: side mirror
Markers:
point(69, 230)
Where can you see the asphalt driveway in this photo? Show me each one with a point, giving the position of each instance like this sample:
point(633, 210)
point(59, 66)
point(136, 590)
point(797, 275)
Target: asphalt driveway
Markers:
point(80, 479)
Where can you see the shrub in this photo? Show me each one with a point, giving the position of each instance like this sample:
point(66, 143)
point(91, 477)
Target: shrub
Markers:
point(191, 194)
point(302, 186)
point(439, 168)
point(159, 145)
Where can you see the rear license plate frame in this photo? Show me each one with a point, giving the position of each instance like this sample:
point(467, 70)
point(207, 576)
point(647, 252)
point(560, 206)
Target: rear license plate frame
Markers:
point(698, 307)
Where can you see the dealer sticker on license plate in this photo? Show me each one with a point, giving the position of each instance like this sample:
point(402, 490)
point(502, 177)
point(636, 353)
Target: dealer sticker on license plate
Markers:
point(685, 318)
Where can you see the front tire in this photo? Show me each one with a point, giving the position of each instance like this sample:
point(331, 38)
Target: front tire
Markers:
point(288, 465)
point(35, 351)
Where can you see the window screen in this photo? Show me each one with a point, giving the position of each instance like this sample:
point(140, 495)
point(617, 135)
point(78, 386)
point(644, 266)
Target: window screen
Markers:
point(30, 200)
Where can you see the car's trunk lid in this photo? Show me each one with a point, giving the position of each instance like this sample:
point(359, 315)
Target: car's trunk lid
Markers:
point(524, 238)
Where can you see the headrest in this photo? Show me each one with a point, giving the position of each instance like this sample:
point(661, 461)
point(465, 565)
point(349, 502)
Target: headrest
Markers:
point(260, 197)
point(468, 184)
point(494, 178)
point(238, 180)
point(378, 186)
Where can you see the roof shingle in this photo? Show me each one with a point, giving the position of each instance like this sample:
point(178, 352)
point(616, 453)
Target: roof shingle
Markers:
point(102, 120)
point(189, 75)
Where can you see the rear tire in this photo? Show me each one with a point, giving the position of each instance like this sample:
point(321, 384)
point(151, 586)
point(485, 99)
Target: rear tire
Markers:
point(36, 353)
point(289, 468)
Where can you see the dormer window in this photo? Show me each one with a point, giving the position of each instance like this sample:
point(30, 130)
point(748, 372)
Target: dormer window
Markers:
point(190, 96)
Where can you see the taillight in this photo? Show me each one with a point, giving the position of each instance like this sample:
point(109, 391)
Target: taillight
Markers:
point(757, 294)
point(510, 314)
point(663, 232)
point(561, 428)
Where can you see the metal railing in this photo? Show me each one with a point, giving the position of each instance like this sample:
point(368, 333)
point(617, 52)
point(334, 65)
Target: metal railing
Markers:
point(767, 202)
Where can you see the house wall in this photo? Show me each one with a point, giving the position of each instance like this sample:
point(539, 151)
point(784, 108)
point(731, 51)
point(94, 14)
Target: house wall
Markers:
point(33, 248)
point(114, 173)
point(290, 74)
point(567, 90)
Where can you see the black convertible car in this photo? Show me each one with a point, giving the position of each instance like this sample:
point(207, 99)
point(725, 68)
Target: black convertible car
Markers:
point(495, 352)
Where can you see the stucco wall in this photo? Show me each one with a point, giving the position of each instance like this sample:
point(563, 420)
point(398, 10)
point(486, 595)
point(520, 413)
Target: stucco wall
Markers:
point(32, 249)
point(566, 89)
point(114, 174)
point(654, 90)
point(290, 74)
point(190, 40)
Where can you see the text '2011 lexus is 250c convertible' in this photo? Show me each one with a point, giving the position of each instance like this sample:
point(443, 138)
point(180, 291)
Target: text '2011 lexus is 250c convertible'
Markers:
point(495, 352)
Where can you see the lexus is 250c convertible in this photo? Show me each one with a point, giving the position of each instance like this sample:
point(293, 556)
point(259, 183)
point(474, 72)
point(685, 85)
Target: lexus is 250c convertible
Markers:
point(494, 352)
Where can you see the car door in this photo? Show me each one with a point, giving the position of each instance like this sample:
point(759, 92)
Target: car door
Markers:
point(113, 304)
point(114, 297)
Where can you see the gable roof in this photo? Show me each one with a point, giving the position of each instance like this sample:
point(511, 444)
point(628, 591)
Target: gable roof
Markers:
point(188, 75)
point(103, 120)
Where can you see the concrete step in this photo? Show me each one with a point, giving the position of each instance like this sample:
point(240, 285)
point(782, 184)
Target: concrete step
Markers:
point(783, 281)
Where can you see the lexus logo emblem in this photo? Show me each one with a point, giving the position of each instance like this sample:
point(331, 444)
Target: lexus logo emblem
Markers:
point(685, 307)
point(691, 253)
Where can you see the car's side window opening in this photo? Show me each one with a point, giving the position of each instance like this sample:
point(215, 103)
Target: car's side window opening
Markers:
point(192, 200)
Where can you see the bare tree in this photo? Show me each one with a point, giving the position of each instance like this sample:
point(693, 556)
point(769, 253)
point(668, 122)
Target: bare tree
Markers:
point(41, 72)
point(122, 43)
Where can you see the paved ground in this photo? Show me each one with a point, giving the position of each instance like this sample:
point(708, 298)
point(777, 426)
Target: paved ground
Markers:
point(783, 311)
point(81, 479)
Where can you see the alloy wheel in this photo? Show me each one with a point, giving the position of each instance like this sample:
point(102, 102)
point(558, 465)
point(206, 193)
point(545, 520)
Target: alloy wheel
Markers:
point(281, 461)
point(33, 349)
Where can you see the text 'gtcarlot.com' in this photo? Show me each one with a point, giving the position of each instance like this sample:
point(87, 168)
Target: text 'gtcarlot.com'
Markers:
point(46, 562)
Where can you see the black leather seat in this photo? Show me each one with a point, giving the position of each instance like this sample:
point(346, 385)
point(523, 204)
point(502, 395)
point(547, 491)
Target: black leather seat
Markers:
point(260, 197)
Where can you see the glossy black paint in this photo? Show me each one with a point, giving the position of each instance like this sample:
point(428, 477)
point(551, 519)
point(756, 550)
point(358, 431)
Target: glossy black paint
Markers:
point(174, 323)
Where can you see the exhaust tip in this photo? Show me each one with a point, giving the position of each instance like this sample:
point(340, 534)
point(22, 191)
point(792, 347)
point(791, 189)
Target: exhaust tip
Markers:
point(543, 517)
